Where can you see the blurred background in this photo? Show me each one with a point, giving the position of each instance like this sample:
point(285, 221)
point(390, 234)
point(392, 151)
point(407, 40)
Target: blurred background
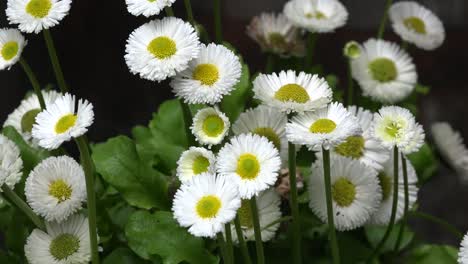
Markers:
point(91, 45)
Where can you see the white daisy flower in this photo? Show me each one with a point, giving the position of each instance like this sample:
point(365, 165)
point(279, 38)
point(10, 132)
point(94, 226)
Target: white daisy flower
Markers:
point(12, 44)
point(205, 204)
point(356, 192)
point(56, 188)
point(194, 162)
point(62, 121)
point(325, 127)
point(276, 34)
point(24, 117)
point(322, 16)
point(64, 243)
point(352, 50)
point(384, 71)
point(417, 25)
point(251, 162)
point(269, 211)
point(267, 122)
point(383, 214)
point(416, 141)
point(209, 77)
point(394, 126)
point(289, 92)
point(147, 8)
point(36, 15)
point(11, 164)
point(463, 252)
point(210, 126)
point(161, 48)
point(451, 147)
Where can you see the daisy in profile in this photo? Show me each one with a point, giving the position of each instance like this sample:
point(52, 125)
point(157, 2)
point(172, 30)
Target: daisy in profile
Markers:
point(66, 242)
point(268, 204)
point(36, 15)
point(147, 8)
point(276, 34)
point(291, 92)
point(384, 71)
point(56, 188)
point(251, 162)
point(161, 48)
point(355, 188)
point(326, 127)
point(383, 214)
point(463, 252)
point(417, 25)
point(194, 162)
point(320, 16)
point(210, 126)
point(24, 117)
point(209, 77)
point(205, 204)
point(451, 147)
point(11, 164)
point(12, 44)
point(62, 121)
point(352, 50)
point(267, 122)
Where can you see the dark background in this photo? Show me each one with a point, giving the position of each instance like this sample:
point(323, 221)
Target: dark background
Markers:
point(91, 45)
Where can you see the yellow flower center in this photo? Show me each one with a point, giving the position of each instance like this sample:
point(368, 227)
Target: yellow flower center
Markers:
point(393, 129)
point(343, 192)
point(213, 126)
point(65, 123)
point(270, 134)
point(248, 166)
point(416, 24)
point(277, 40)
point(323, 126)
point(208, 206)
point(316, 15)
point(383, 70)
point(353, 147)
point(63, 246)
point(386, 185)
point(39, 8)
point(207, 74)
point(292, 92)
point(28, 120)
point(245, 214)
point(162, 47)
point(60, 190)
point(151, 1)
point(9, 50)
point(200, 165)
point(352, 50)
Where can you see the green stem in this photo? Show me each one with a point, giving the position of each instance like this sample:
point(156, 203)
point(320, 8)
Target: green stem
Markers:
point(405, 45)
point(34, 82)
point(405, 214)
point(23, 206)
point(217, 21)
point(222, 247)
point(383, 22)
point(169, 11)
point(229, 247)
point(257, 231)
point(88, 167)
point(188, 9)
point(350, 85)
point(240, 237)
point(55, 61)
point(311, 41)
point(293, 203)
point(187, 114)
point(270, 63)
point(331, 224)
point(394, 207)
point(439, 222)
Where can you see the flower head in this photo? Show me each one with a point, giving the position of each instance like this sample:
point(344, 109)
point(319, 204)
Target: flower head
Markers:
point(147, 8)
point(194, 162)
point(463, 252)
point(11, 164)
point(12, 44)
point(352, 50)
point(210, 126)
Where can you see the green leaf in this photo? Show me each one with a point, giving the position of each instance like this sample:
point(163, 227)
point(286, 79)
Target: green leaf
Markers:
point(159, 234)
point(120, 213)
point(123, 256)
point(120, 165)
point(234, 104)
point(425, 163)
point(351, 249)
point(375, 234)
point(433, 254)
point(169, 121)
point(17, 232)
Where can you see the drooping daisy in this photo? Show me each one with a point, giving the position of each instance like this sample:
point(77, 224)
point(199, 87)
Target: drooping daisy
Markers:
point(12, 44)
point(320, 16)
point(384, 71)
point(56, 188)
point(265, 121)
point(161, 48)
point(62, 121)
point(289, 92)
point(268, 204)
point(325, 127)
point(11, 164)
point(24, 117)
point(355, 188)
point(417, 25)
point(194, 162)
point(382, 215)
point(209, 77)
point(205, 204)
point(450, 145)
point(276, 34)
point(36, 15)
point(463, 252)
point(147, 8)
point(63, 243)
point(352, 50)
point(210, 126)
point(251, 162)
